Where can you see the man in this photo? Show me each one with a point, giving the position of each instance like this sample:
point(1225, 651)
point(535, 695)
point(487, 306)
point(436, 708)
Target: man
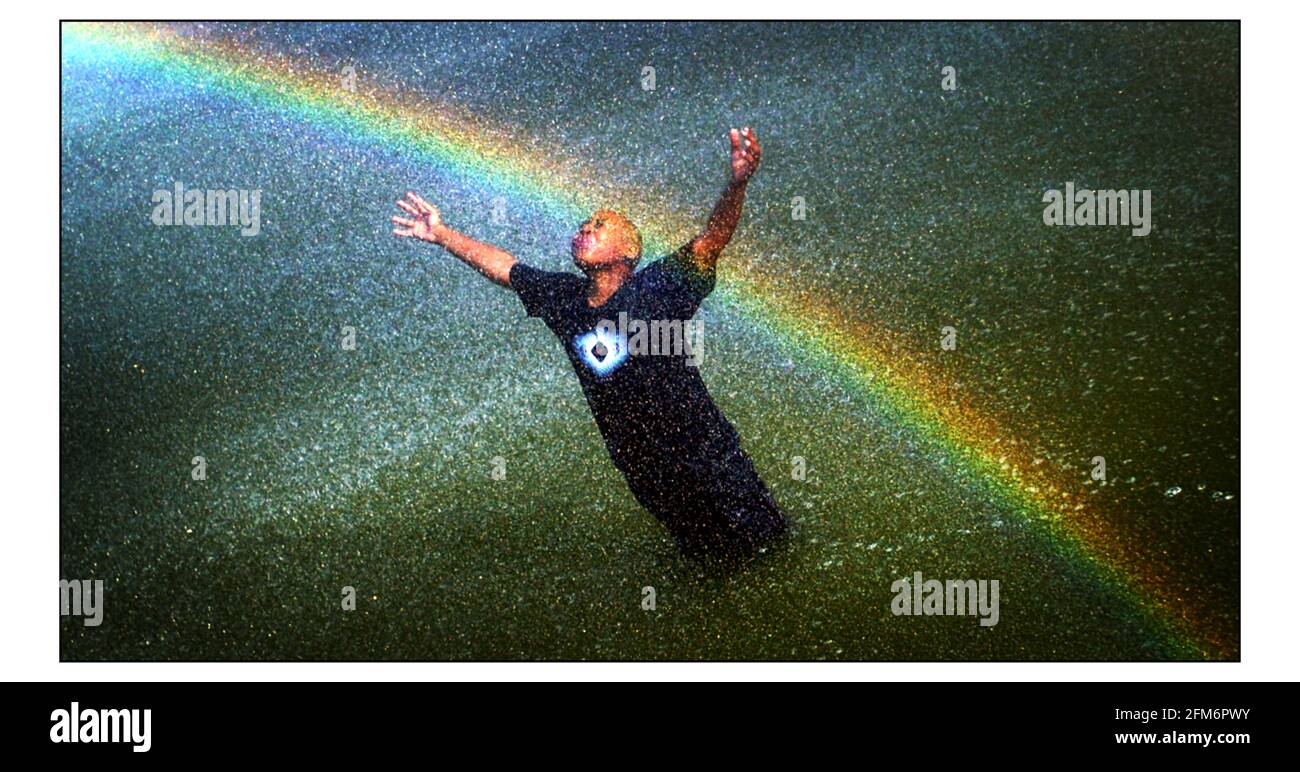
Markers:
point(680, 456)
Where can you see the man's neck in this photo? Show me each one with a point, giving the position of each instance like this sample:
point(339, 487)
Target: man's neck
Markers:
point(602, 284)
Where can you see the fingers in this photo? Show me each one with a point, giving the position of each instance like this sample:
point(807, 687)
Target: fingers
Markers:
point(424, 206)
point(745, 141)
point(425, 214)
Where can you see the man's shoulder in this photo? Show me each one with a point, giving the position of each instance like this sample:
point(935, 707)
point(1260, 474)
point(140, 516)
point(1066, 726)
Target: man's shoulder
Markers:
point(544, 292)
point(525, 278)
point(533, 273)
point(673, 265)
point(679, 270)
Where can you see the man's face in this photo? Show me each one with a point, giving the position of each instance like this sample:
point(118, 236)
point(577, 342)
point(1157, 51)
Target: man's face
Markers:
point(605, 238)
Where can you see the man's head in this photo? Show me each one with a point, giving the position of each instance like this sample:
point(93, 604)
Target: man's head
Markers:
point(607, 238)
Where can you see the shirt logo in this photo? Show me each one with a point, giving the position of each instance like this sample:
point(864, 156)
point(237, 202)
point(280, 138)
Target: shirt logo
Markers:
point(601, 350)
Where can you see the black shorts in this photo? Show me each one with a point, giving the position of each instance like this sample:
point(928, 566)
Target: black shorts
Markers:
point(712, 505)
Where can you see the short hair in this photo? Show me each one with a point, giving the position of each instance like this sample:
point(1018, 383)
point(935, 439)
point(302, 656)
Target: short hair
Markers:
point(633, 236)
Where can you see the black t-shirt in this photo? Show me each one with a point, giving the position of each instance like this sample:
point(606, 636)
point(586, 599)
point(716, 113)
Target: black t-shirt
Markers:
point(649, 400)
point(682, 459)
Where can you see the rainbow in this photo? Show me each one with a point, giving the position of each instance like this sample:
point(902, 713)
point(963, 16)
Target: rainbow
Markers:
point(864, 357)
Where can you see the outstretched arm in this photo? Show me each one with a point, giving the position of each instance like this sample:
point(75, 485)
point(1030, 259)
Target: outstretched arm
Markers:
point(707, 247)
point(426, 223)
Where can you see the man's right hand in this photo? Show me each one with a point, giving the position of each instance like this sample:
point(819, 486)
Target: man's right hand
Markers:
point(425, 222)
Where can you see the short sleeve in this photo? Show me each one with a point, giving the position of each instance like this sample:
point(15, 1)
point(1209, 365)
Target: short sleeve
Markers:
point(540, 291)
point(685, 284)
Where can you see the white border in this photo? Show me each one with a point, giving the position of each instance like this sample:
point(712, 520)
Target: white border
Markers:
point(29, 464)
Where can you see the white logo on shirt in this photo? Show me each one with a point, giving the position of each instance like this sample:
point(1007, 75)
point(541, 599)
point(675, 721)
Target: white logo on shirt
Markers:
point(601, 350)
